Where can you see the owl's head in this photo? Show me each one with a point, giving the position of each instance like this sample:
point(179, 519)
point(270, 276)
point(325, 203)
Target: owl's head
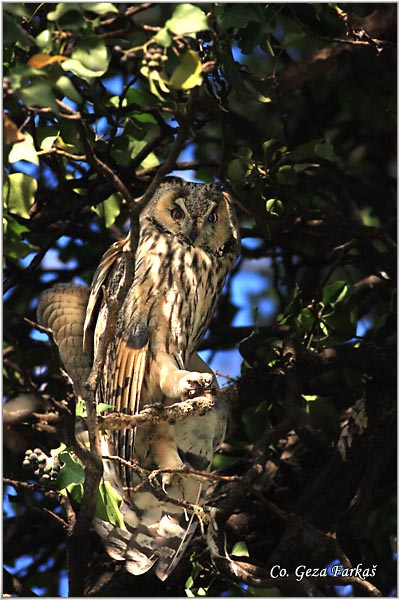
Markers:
point(197, 214)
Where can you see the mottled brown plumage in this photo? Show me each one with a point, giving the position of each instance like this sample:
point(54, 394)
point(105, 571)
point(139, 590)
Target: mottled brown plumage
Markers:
point(188, 243)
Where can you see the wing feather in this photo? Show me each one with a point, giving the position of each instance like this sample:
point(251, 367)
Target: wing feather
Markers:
point(100, 277)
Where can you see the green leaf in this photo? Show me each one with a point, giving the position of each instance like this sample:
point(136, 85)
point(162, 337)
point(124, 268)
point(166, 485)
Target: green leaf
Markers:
point(240, 549)
point(157, 82)
point(187, 74)
point(137, 96)
point(334, 292)
point(255, 93)
point(19, 193)
point(292, 29)
point(306, 319)
point(274, 207)
point(164, 37)
point(196, 570)
point(343, 321)
point(19, 9)
point(109, 210)
point(108, 503)
point(44, 40)
point(100, 8)
point(269, 592)
point(63, 8)
point(300, 167)
point(135, 146)
point(77, 68)
point(237, 170)
point(325, 150)
point(309, 398)
point(267, 47)
point(71, 473)
point(102, 407)
point(80, 408)
point(269, 147)
point(89, 59)
point(67, 88)
point(13, 246)
point(187, 19)
point(47, 143)
point(286, 175)
point(56, 451)
point(239, 15)
point(24, 150)
point(39, 93)
point(305, 151)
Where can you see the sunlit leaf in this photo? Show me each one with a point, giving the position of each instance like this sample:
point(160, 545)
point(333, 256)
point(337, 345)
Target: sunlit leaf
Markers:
point(274, 207)
point(108, 503)
point(89, 59)
point(164, 37)
point(67, 88)
point(240, 549)
point(257, 95)
point(71, 472)
point(19, 193)
point(44, 40)
point(109, 209)
point(187, 19)
point(61, 8)
point(187, 74)
point(101, 8)
point(24, 150)
point(334, 292)
point(310, 398)
point(102, 407)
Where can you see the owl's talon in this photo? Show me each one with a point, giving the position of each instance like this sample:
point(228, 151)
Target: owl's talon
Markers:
point(192, 384)
point(169, 479)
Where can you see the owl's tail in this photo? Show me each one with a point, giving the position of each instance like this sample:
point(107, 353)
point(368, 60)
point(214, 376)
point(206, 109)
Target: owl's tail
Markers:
point(62, 310)
point(142, 547)
point(156, 532)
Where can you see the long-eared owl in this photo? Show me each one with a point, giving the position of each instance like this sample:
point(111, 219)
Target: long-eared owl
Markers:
point(188, 242)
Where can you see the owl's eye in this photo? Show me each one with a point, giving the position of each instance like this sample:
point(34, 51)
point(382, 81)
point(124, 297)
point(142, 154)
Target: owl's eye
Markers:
point(177, 214)
point(213, 217)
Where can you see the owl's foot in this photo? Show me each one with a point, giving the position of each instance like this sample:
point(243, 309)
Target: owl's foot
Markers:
point(191, 384)
point(186, 384)
point(168, 479)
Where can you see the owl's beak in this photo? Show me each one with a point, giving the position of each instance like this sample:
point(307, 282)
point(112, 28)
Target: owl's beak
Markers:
point(193, 233)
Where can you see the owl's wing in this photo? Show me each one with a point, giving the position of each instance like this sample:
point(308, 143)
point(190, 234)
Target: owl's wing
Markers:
point(105, 270)
point(126, 358)
point(62, 309)
point(130, 363)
